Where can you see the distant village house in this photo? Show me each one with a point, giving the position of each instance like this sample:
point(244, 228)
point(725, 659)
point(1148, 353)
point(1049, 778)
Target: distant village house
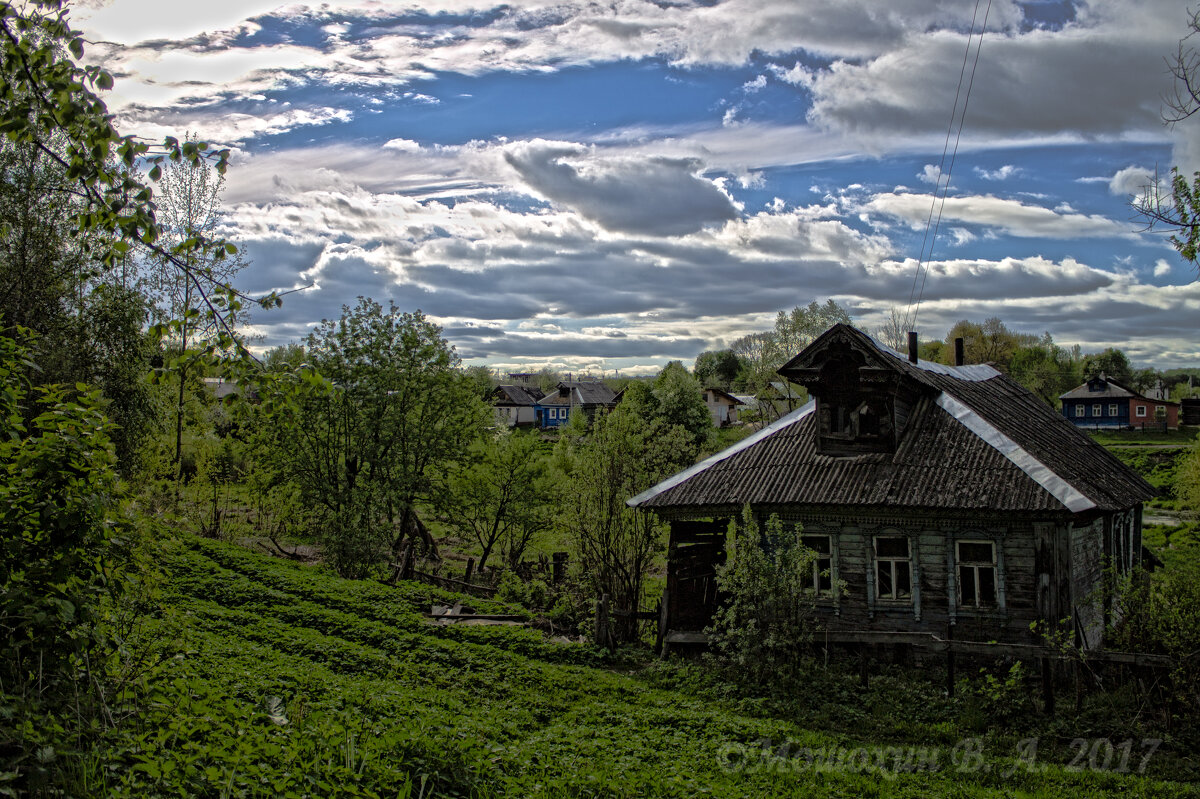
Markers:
point(722, 406)
point(1105, 403)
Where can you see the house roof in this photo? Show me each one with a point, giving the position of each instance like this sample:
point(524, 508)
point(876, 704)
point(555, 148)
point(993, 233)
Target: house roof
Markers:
point(974, 441)
point(515, 395)
point(1111, 390)
point(576, 393)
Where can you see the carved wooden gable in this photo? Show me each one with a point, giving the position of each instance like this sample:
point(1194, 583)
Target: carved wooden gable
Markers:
point(860, 396)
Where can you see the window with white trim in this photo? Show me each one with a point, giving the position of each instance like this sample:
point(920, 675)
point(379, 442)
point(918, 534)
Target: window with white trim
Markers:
point(976, 573)
point(893, 568)
point(822, 565)
point(1112, 409)
point(1140, 412)
point(1096, 410)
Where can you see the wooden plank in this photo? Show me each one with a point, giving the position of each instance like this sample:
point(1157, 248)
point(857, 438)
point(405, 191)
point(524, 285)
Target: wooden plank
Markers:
point(685, 637)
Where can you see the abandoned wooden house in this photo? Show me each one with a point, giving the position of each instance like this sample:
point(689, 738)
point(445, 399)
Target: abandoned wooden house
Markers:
point(942, 500)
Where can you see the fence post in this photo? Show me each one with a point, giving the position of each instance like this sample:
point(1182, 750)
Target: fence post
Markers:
point(603, 634)
point(1048, 686)
point(559, 567)
point(950, 659)
point(470, 570)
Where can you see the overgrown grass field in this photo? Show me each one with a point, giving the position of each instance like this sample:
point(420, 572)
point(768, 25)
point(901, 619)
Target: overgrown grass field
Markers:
point(279, 680)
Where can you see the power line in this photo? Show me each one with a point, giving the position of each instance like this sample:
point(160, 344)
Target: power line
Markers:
point(931, 226)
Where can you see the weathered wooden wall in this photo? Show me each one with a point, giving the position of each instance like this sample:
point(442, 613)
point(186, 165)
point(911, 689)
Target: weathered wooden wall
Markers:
point(1046, 570)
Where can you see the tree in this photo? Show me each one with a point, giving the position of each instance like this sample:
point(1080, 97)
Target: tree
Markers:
point(499, 498)
point(616, 545)
point(717, 368)
point(50, 105)
point(364, 439)
point(894, 330)
point(680, 401)
point(189, 206)
point(762, 354)
point(767, 621)
point(1176, 207)
point(1111, 363)
point(1046, 369)
point(988, 342)
point(796, 330)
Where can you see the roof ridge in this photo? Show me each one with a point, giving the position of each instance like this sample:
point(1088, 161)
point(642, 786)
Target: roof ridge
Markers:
point(1072, 498)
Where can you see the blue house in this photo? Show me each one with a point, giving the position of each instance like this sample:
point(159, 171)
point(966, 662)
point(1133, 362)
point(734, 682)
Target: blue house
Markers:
point(554, 409)
point(1101, 402)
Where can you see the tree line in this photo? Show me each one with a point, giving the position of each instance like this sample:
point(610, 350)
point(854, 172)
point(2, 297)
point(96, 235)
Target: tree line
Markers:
point(1037, 362)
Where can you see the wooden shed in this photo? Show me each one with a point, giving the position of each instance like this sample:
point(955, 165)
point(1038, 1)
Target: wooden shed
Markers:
point(945, 500)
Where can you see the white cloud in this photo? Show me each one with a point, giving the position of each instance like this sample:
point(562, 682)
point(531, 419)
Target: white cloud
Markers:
point(402, 145)
point(1010, 216)
point(1161, 268)
point(1003, 173)
point(930, 174)
point(1132, 180)
point(754, 85)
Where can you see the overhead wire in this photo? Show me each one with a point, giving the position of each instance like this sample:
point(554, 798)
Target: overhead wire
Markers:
point(945, 170)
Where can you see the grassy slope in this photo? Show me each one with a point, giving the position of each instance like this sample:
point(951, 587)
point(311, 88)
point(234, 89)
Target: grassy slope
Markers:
point(379, 703)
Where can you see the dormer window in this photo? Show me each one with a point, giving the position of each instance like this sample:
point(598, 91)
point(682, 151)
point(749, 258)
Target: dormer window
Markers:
point(855, 424)
point(862, 401)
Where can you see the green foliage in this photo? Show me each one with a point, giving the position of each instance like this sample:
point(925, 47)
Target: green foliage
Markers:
point(364, 434)
point(290, 682)
point(616, 545)
point(65, 543)
point(1160, 612)
point(717, 368)
point(680, 401)
point(761, 354)
point(765, 626)
point(1046, 369)
point(533, 595)
point(1112, 363)
point(1187, 480)
point(51, 107)
point(500, 496)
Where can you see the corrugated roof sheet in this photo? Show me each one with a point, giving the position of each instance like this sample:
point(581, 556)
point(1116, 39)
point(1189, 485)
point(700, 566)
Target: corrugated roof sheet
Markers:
point(591, 393)
point(515, 395)
point(940, 462)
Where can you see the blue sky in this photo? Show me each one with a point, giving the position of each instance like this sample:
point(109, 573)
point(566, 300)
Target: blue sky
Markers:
point(600, 187)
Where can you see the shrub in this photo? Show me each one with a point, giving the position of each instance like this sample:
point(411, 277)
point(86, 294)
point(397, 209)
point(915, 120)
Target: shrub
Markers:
point(767, 623)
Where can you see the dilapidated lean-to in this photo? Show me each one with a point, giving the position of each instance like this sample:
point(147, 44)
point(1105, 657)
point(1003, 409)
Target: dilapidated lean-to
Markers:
point(936, 496)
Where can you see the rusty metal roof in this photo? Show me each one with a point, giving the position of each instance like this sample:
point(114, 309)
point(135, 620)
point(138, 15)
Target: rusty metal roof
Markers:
point(975, 441)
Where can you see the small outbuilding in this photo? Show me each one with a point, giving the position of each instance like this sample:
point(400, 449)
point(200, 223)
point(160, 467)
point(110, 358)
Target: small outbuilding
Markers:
point(937, 498)
point(722, 406)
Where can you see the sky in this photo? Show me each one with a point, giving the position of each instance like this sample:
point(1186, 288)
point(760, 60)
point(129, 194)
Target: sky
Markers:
point(607, 185)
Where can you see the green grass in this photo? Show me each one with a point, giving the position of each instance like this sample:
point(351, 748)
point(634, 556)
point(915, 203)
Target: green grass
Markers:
point(1182, 437)
point(280, 680)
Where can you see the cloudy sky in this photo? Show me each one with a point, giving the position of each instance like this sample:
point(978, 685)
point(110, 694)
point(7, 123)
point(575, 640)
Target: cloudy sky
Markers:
point(610, 185)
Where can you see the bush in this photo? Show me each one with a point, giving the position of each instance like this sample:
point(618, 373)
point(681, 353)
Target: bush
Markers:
point(767, 623)
point(64, 556)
